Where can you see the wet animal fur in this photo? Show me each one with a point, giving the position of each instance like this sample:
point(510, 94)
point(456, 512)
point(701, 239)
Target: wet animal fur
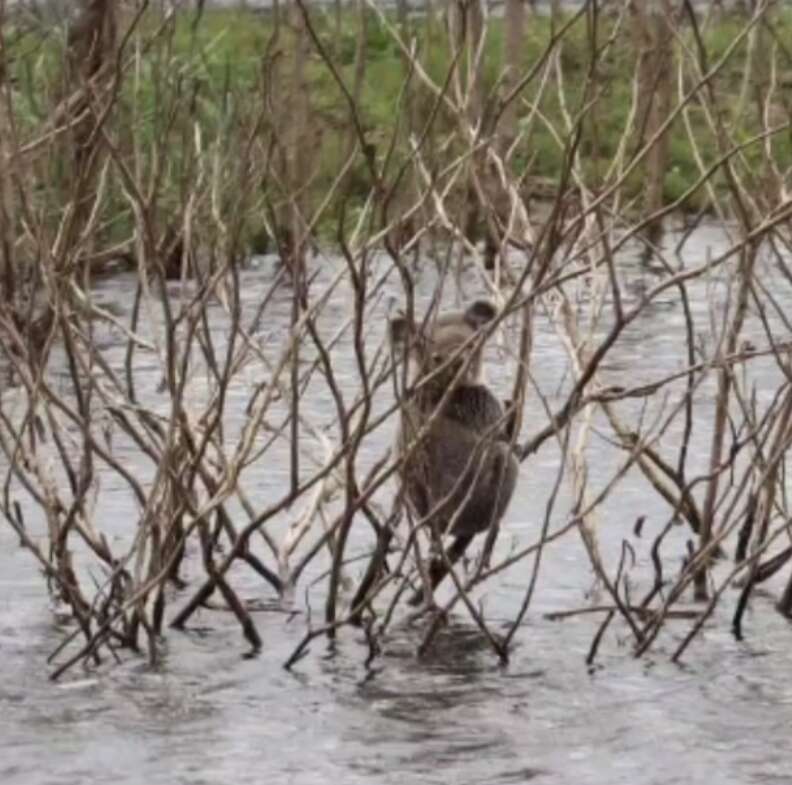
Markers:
point(462, 473)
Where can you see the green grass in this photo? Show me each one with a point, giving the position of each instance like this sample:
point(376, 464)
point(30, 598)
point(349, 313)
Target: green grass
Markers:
point(211, 77)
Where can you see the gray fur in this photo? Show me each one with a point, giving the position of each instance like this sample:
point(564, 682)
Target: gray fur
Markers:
point(464, 467)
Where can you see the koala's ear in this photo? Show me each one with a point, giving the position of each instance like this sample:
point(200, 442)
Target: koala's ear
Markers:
point(479, 313)
point(399, 330)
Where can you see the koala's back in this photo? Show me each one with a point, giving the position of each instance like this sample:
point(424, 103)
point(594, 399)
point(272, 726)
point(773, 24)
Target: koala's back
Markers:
point(464, 469)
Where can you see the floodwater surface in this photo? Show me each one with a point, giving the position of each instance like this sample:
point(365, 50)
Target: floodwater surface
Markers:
point(209, 716)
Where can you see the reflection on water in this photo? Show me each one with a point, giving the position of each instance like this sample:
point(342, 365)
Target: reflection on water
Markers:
point(206, 715)
point(209, 716)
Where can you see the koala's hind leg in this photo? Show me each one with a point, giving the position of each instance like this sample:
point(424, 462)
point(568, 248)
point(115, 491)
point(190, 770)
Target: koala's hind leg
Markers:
point(438, 567)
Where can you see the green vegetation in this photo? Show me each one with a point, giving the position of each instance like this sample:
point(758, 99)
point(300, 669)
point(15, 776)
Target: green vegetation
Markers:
point(227, 73)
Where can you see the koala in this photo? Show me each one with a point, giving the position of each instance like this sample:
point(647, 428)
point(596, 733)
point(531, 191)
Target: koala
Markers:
point(461, 475)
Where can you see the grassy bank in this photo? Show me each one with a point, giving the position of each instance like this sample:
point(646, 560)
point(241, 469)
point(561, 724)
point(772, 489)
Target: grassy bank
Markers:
point(229, 80)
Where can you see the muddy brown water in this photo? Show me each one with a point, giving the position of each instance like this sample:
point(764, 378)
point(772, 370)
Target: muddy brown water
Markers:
point(208, 715)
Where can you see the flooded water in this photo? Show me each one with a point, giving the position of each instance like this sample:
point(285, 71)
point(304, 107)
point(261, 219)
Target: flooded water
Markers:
point(207, 715)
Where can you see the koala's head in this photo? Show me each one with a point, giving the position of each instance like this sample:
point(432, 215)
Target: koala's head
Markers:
point(443, 337)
